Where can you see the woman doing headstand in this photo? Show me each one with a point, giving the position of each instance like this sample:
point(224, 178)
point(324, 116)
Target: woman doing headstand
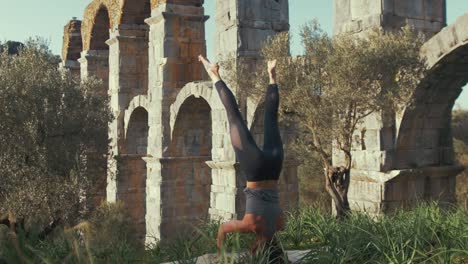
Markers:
point(263, 215)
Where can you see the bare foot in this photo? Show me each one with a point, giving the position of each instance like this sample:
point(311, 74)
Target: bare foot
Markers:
point(211, 69)
point(271, 66)
point(272, 71)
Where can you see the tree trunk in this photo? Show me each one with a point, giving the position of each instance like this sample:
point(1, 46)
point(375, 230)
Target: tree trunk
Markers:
point(337, 184)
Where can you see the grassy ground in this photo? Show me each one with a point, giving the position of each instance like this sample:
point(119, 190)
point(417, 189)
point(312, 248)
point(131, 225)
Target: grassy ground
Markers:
point(461, 150)
point(424, 235)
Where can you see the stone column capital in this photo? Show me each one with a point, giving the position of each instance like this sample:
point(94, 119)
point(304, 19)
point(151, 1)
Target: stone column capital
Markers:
point(70, 64)
point(122, 157)
point(154, 20)
point(132, 31)
point(86, 54)
point(222, 164)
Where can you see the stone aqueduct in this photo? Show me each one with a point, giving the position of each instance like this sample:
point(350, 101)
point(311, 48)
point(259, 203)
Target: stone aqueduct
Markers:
point(171, 157)
point(171, 160)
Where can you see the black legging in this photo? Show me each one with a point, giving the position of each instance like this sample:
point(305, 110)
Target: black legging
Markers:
point(257, 165)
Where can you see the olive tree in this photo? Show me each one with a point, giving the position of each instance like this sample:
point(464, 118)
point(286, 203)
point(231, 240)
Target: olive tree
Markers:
point(334, 85)
point(11, 47)
point(51, 124)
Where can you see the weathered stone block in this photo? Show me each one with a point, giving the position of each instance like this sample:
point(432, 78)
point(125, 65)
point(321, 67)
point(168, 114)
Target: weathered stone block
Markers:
point(365, 206)
point(370, 160)
point(365, 190)
point(461, 28)
point(435, 10)
point(411, 9)
point(363, 8)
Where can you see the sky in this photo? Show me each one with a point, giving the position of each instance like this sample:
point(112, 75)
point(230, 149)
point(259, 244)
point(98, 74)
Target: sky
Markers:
point(21, 19)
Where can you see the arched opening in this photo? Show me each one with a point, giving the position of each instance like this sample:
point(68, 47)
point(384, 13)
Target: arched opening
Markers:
point(94, 61)
point(187, 184)
point(131, 178)
point(100, 33)
point(425, 138)
point(137, 134)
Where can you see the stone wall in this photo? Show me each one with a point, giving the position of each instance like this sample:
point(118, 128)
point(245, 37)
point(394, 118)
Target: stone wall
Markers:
point(132, 170)
point(400, 159)
point(176, 37)
point(243, 25)
point(385, 192)
point(241, 28)
point(428, 16)
point(131, 189)
point(171, 160)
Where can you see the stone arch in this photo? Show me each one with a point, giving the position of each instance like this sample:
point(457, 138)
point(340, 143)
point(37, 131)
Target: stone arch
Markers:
point(424, 135)
point(100, 33)
point(196, 89)
point(135, 12)
point(136, 140)
point(129, 48)
point(140, 101)
point(99, 17)
point(194, 114)
point(132, 170)
point(187, 181)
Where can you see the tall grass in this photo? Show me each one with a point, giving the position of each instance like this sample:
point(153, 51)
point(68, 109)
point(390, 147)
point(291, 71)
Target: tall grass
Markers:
point(426, 234)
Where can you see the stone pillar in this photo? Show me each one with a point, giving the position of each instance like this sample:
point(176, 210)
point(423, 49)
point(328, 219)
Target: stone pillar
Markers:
point(128, 77)
point(224, 191)
point(131, 189)
point(243, 25)
point(382, 178)
point(72, 46)
point(358, 16)
point(241, 28)
point(177, 36)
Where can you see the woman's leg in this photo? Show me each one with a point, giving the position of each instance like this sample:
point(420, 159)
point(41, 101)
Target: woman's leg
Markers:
point(231, 227)
point(244, 145)
point(272, 137)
